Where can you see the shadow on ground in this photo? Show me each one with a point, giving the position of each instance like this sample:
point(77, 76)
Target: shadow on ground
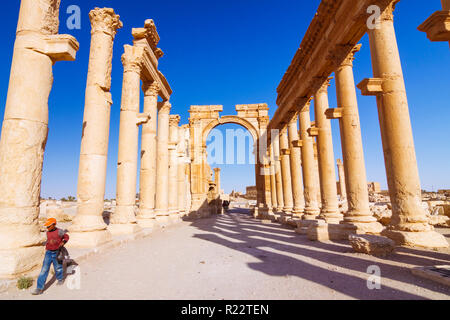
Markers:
point(284, 253)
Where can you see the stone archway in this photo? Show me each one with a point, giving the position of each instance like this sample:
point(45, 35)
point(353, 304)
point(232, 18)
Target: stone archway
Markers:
point(253, 117)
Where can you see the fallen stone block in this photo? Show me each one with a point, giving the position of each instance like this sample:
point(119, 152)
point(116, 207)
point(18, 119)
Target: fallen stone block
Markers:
point(372, 245)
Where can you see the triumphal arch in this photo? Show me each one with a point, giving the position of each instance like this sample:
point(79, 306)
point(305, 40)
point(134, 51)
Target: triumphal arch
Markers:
point(253, 117)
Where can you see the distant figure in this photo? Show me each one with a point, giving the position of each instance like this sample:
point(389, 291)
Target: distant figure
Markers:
point(56, 239)
point(226, 205)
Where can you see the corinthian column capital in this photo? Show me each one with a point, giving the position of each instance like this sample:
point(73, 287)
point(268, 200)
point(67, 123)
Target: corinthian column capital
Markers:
point(105, 20)
point(151, 89)
point(388, 13)
point(164, 107)
point(133, 59)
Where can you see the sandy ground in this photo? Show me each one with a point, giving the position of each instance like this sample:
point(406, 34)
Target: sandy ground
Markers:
point(237, 257)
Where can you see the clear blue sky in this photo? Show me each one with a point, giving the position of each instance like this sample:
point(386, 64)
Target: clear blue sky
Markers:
point(236, 52)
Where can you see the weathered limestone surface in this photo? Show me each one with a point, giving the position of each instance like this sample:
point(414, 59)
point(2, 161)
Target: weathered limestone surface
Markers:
point(278, 178)
point(328, 189)
point(353, 170)
point(162, 164)
point(88, 228)
point(286, 172)
point(123, 220)
point(147, 186)
point(24, 131)
point(409, 225)
point(296, 171)
point(372, 244)
point(174, 120)
point(308, 166)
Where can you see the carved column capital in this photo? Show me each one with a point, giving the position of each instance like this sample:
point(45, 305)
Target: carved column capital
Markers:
point(388, 13)
point(174, 120)
point(303, 103)
point(164, 107)
point(105, 20)
point(133, 59)
point(325, 85)
point(151, 89)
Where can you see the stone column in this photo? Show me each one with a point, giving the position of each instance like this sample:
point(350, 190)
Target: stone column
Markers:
point(352, 173)
point(174, 120)
point(328, 189)
point(308, 166)
point(123, 220)
point(278, 179)
point(409, 224)
point(24, 132)
point(217, 179)
point(296, 170)
point(147, 180)
point(286, 172)
point(273, 185)
point(181, 171)
point(162, 165)
point(316, 170)
point(341, 175)
point(88, 228)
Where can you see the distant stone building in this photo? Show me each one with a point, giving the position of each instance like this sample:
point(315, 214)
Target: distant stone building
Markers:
point(374, 187)
point(251, 193)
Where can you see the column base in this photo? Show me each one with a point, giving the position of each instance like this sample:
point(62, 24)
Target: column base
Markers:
point(175, 217)
point(88, 239)
point(146, 223)
point(424, 239)
point(20, 260)
point(163, 221)
point(334, 218)
point(123, 229)
point(374, 228)
point(322, 231)
point(303, 225)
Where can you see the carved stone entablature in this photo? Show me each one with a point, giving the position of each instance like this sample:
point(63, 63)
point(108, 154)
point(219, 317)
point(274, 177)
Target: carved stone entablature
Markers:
point(148, 33)
point(105, 20)
point(205, 112)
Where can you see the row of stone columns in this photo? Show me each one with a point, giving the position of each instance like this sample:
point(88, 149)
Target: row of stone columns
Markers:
point(409, 224)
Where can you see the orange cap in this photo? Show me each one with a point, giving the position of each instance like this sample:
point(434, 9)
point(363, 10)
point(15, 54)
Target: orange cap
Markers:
point(49, 222)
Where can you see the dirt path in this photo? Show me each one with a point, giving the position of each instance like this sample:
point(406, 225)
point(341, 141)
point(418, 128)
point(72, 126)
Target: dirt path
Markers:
point(237, 257)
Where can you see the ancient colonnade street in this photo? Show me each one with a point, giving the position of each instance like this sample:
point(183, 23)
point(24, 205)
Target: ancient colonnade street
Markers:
point(226, 151)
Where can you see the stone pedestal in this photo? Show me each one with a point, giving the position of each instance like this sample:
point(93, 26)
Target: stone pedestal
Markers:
point(147, 182)
point(88, 228)
point(24, 132)
point(330, 208)
point(409, 223)
point(308, 166)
